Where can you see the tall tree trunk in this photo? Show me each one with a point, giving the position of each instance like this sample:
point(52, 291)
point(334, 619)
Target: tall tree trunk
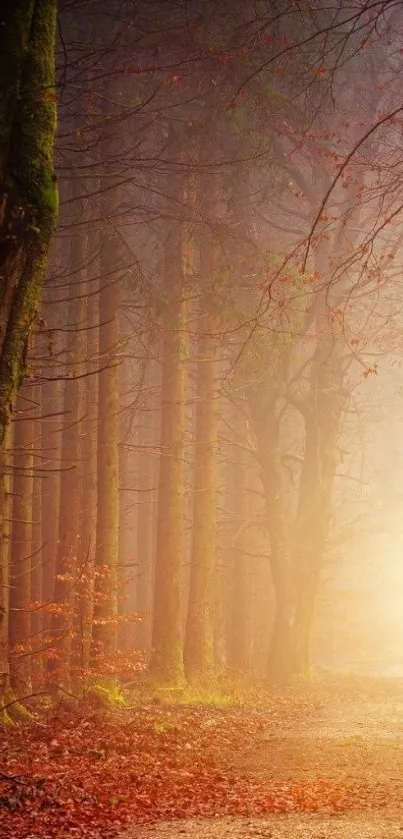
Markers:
point(280, 663)
point(146, 500)
point(83, 607)
point(36, 564)
point(28, 197)
point(5, 540)
point(167, 656)
point(238, 636)
point(21, 547)
point(145, 522)
point(199, 636)
point(324, 409)
point(28, 202)
point(104, 630)
point(62, 623)
point(128, 515)
point(199, 647)
point(51, 425)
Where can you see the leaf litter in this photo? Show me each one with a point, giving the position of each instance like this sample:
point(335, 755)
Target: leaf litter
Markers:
point(95, 774)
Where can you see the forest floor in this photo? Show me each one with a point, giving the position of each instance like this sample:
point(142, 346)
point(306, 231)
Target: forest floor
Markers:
point(320, 760)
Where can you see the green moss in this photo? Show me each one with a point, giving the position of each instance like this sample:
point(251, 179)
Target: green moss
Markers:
point(35, 120)
point(5, 719)
point(28, 181)
point(33, 124)
point(13, 711)
point(105, 696)
point(14, 39)
point(223, 689)
point(19, 713)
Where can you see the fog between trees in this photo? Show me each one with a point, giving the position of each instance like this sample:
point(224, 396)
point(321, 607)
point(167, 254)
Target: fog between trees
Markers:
point(203, 453)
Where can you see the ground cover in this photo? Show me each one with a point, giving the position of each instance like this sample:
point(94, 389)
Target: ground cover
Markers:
point(333, 749)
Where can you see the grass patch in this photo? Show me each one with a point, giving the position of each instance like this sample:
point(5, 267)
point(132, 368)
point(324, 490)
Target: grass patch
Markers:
point(223, 689)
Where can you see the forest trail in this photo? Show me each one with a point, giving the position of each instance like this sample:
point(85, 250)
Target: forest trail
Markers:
point(354, 738)
point(313, 762)
point(298, 826)
point(355, 734)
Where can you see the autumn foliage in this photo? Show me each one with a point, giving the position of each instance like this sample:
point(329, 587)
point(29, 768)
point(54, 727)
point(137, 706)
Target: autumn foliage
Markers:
point(90, 773)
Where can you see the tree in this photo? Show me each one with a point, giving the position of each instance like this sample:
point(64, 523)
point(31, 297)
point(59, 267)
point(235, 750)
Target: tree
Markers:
point(167, 656)
point(199, 647)
point(21, 546)
point(88, 517)
point(104, 630)
point(28, 201)
point(27, 182)
point(242, 95)
point(69, 519)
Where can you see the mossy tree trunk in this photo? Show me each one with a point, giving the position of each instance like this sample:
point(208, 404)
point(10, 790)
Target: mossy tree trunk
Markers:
point(28, 195)
point(28, 202)
point(167, 655)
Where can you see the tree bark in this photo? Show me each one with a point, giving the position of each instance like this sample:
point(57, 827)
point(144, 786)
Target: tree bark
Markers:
point(51, 425)
point(5, 540)
point(104, 630)
point(239, 631)
point(21, 547)
point(83, 607)
point(36, 562)
point(145, 521)
point(324, 410)
point(28, 196)
point(62, 624)
point(280, 662)
point(167, 656)
point(199, 646)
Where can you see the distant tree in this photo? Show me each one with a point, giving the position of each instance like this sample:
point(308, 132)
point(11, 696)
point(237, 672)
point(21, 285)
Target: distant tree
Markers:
point(70, 478)
point(240, 553)
point(83, 608)
point(199, 635)
point(105, 612)
point(167, 655)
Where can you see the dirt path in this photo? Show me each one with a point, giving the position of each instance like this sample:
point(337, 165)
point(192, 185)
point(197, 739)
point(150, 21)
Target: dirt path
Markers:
point(314, 762)
point(357, 737)
point(277, 827)
point(352, 735)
